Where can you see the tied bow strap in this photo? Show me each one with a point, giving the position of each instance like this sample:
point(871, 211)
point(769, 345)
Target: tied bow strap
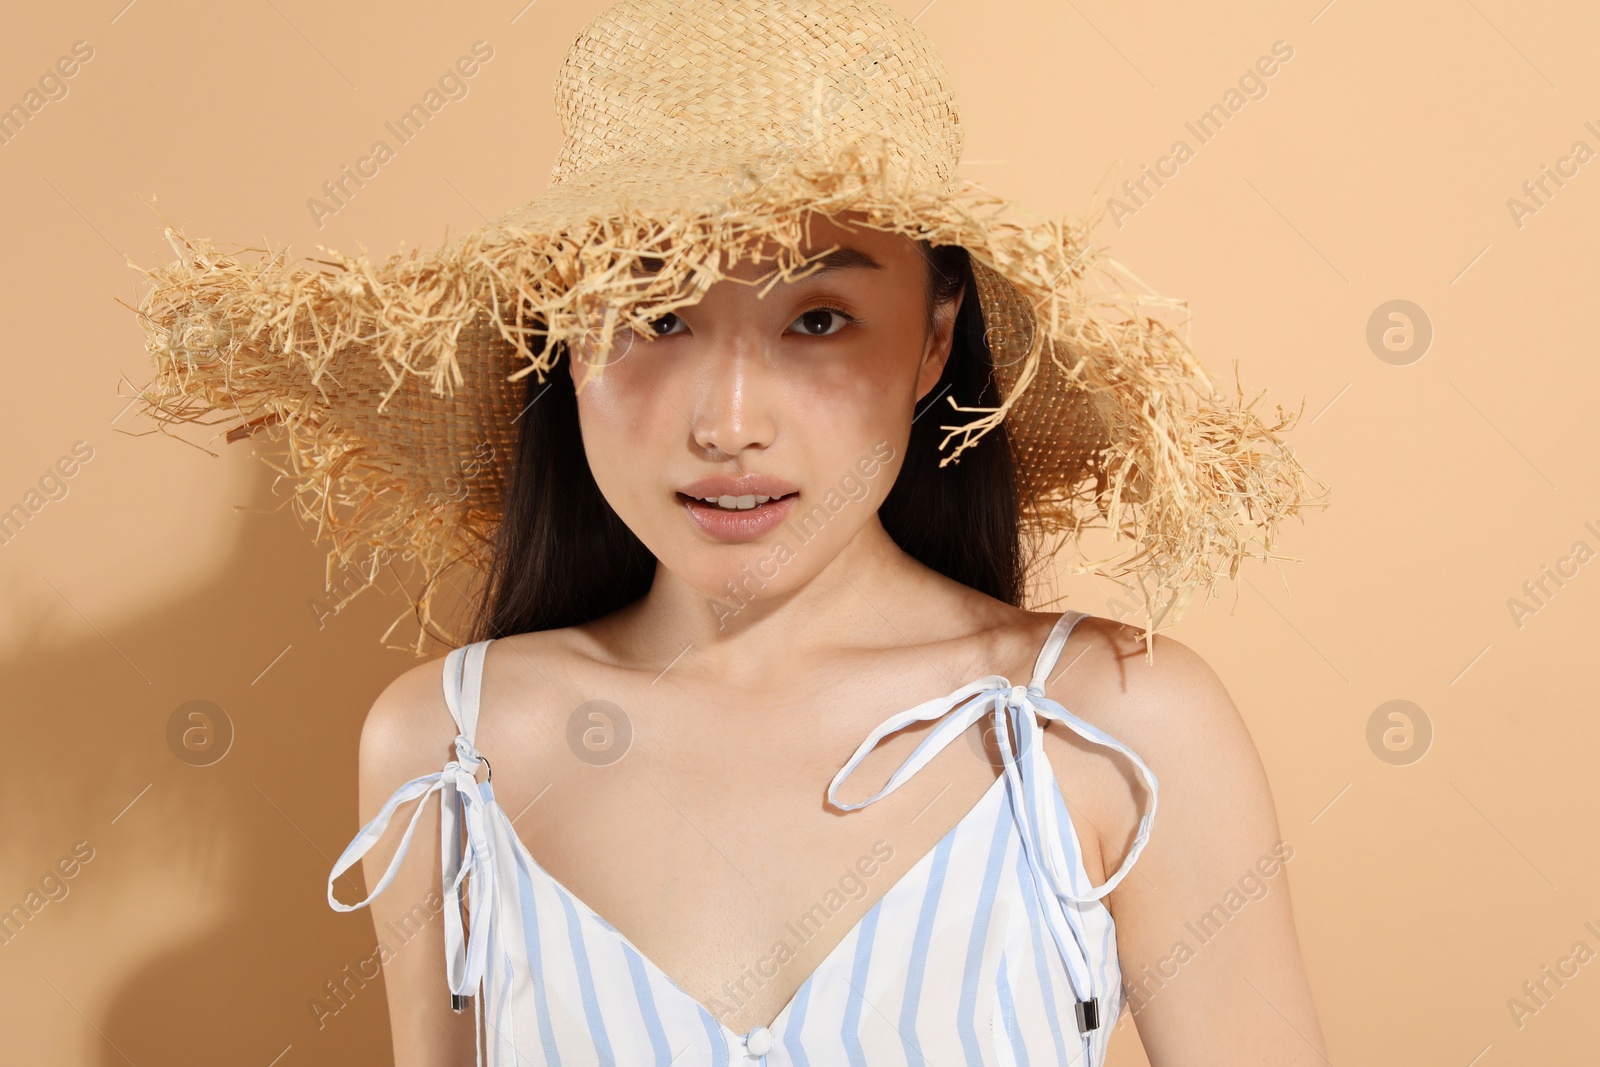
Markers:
point(462, 803)
point(1026, 766)
point(1018, 733)
point(1043, 808)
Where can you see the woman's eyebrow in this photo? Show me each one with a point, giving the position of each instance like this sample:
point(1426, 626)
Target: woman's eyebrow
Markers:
point(839, 259)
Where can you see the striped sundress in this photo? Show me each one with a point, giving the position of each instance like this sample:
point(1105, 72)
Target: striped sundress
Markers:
point(994, 948)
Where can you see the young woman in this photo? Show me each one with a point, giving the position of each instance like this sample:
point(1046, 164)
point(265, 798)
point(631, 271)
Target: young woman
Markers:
point(756, 755)
point(705, 873)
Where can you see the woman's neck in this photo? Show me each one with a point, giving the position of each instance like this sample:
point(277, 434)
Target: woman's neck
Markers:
point(764, 617)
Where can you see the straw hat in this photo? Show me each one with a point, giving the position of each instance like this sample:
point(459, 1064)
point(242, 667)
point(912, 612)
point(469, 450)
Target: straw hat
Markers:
point(692, 131)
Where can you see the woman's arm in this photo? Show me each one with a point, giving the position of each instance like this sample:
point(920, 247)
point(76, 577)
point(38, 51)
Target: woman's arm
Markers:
point(409, 733)
point(1211, 963)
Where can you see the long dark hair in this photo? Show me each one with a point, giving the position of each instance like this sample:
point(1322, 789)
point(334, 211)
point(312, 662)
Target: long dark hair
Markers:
point(562, 556)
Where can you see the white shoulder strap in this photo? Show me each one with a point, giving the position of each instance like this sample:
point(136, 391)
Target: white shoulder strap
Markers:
point(463, 684)
point(1053, 646)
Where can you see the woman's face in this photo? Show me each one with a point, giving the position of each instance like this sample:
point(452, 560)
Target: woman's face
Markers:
point(798, 402)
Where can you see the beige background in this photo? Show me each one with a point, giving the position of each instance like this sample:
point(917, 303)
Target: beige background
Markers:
point(1377, 167)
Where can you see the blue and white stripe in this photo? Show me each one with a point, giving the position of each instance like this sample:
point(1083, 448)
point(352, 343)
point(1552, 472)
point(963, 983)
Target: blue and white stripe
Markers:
point(978, 955)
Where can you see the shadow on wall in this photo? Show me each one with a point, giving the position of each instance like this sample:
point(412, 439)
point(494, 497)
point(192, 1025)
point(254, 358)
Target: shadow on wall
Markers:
point(204, 879)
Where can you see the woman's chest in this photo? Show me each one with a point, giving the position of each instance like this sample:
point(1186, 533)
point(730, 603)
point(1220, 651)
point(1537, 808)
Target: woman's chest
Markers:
point(728, 871)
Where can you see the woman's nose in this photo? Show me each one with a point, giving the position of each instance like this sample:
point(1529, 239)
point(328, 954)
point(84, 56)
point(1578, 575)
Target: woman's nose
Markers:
point(733, 394)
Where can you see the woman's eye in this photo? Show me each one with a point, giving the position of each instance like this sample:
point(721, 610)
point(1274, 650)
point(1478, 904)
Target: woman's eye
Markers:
point(666, 324)
point(820, 322)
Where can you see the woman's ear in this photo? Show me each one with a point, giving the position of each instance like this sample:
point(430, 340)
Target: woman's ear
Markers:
point(936, 349)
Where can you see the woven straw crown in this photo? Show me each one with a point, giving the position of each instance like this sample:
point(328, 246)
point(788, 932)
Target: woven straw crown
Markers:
point(694, 134)
point(647, 81)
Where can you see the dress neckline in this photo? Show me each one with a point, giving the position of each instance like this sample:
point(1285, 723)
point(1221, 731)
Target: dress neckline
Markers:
point(776, 1026)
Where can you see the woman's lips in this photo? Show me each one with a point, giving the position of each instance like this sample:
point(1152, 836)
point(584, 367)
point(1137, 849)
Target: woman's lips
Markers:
point(747, 525)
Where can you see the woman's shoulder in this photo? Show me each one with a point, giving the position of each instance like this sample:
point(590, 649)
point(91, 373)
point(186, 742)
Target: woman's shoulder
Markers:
point(407, 732)
point(414, 702)
point(1109, 664)
point(1162, 699)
